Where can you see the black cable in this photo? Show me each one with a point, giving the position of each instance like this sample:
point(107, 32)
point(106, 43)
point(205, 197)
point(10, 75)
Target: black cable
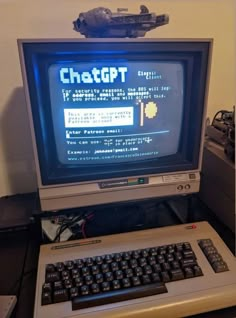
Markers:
point(65, 226)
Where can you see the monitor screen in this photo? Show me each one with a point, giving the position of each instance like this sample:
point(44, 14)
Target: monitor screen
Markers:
point(115, 119)
point(111, 112)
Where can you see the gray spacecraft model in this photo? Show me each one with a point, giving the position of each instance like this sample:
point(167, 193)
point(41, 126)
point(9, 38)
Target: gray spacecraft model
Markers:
point(101, 22)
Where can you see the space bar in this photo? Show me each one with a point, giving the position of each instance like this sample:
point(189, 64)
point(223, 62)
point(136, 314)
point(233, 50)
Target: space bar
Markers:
point(118, 295)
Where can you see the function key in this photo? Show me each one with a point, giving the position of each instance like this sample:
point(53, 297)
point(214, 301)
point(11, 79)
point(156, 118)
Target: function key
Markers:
point(205, 243)
point(220, 266)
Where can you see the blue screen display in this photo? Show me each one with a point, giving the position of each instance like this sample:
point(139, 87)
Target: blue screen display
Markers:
point(116, 111)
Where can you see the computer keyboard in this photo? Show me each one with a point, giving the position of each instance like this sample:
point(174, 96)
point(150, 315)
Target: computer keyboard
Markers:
point(173, 271)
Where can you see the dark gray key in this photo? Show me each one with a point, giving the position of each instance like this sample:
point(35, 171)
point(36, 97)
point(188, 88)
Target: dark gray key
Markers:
point(60, 295)
point(118, 295)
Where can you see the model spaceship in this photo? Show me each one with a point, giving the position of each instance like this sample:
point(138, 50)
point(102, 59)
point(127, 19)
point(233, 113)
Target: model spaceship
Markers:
point(101, 22)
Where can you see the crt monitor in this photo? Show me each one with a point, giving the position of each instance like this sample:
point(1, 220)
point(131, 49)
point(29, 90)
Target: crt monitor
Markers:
point(115, 119)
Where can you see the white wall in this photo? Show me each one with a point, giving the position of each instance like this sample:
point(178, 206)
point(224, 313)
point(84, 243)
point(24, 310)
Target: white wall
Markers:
point(53, 18)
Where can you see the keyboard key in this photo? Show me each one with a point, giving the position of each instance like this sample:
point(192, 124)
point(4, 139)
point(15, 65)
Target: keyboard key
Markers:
point(95, 288)
point(135, 281)
point(165, 277)
point(84, 290)
point(197, 271)
point(220, 267)
point(126, 282)
point(69, 265)
point(188, 272)
point(74, 292)
point(47, 287)
point(108, 276)
point(46, 298)
point(52, 277)
point(176, 274)
point(50, 268)
point(58, 285)
point(65, 275)
point(99, 278)
point(60, 295)
point(106, 286)
point(79, 281)
point(118, 295)
point(146, 279)
point(115, 284)
point(155, 277)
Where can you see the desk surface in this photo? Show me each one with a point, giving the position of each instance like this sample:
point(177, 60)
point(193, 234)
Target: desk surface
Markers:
point(19, 252)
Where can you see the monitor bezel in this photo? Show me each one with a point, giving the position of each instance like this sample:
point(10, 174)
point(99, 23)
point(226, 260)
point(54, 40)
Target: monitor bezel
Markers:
point(48, 178)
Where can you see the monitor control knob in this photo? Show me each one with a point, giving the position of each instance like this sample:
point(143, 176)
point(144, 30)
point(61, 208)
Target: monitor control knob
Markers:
point(187, 186)
point(180, 187)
